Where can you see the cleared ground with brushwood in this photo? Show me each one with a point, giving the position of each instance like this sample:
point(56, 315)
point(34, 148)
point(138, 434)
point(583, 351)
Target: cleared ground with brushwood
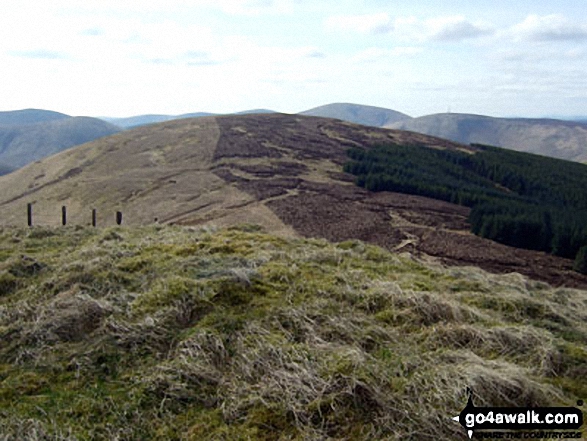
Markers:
point(169, 332)
point(283, 172)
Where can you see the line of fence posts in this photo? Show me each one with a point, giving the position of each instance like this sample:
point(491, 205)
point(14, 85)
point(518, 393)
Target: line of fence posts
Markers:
point(64, 216)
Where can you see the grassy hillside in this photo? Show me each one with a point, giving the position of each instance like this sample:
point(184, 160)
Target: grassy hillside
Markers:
point(183, 333)
point(358, 114)
point(281, 171)
point(21, 144)
point(554, 138)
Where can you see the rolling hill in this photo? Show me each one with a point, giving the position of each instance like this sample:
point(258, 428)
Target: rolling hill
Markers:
point(30, 116)
point(26, 136)
point(555, 138)
point(283, 172)
point(358, 114)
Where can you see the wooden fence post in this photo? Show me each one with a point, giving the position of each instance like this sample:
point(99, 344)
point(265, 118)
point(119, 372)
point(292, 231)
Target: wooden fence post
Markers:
point(94, 218)
point(63, 215)
point(29, 209)
point(119, 217)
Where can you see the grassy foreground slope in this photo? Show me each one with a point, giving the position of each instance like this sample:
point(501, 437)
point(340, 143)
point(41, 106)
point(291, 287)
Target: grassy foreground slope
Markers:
point(184, 333)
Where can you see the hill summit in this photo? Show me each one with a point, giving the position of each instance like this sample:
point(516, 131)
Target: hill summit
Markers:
point(358, 114)
point(29, 116)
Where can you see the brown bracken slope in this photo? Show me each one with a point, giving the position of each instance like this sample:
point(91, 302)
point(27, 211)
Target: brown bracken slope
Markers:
point(283, 172)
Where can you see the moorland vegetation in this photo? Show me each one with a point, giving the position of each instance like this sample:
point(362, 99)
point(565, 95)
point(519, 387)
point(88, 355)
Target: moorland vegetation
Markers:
point(166, 332)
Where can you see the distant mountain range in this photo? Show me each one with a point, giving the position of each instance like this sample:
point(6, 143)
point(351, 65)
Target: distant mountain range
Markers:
point(31, 134)
point(355, 113)
point(548, 137)
point(564, 139)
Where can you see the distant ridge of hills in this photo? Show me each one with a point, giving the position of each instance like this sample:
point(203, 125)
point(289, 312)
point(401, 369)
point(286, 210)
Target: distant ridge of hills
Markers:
point(557, 138)
point(143, 120)
point(358, 114)
point(548, 137)
point(32, 134)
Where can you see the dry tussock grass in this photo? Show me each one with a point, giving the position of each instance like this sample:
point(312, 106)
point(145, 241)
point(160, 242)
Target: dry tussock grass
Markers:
point(173, 333)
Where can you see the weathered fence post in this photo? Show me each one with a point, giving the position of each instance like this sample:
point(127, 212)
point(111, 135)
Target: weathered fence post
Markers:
point(63, 215)
point(94, 217)
point(119, 217)
point(29, 209)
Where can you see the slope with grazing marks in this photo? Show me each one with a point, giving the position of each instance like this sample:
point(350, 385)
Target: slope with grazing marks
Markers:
point(280, 171)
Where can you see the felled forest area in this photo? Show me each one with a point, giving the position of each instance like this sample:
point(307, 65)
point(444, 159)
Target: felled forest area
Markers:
point(518, 199)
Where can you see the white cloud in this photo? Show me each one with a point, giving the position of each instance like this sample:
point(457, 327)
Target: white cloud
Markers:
point(364, 24)
point(445, 28)
point(450, 28)
point(455, 28)
point(554, 27)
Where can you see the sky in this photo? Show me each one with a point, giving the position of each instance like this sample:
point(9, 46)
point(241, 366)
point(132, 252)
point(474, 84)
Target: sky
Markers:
point(127, 57)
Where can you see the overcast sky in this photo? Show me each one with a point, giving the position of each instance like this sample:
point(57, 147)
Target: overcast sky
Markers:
point(128, 57)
